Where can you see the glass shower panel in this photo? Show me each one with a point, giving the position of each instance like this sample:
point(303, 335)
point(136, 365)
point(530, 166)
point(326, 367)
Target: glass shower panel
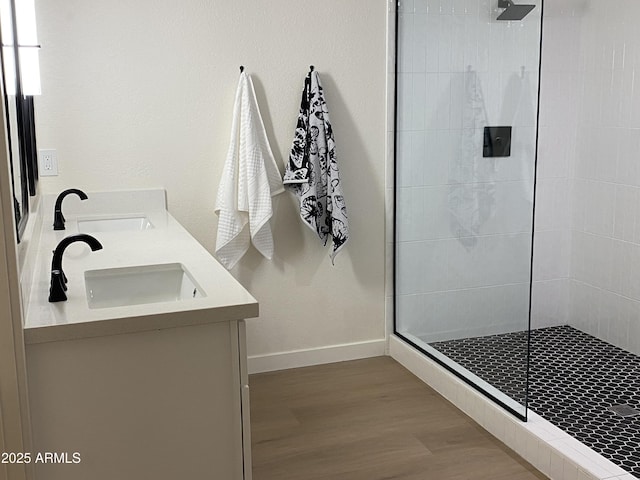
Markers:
point(466, 127)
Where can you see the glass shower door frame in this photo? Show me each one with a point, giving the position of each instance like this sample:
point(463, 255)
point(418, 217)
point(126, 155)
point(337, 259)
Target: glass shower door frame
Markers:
point(460, 372)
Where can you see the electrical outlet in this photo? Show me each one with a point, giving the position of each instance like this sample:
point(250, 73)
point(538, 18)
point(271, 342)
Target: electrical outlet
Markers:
point(48, 163)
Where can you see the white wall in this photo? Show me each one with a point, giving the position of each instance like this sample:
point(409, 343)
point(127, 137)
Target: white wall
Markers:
point(587, 246)
point(559, 106)
point(464, 221)
point(605, 248)
point(139, 94)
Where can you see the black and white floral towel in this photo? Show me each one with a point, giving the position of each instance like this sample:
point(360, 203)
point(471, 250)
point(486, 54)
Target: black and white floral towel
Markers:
point(312, 171)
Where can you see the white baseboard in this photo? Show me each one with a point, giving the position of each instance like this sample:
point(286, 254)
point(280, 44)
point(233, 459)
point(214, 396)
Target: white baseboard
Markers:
point(316, 356)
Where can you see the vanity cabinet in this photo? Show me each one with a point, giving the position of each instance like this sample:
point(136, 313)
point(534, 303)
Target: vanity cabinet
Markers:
point(144, 387)
point(161, 404)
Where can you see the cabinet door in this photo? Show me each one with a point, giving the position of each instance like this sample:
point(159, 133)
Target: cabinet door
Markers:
point(159, 405)
point(246, 417)
point(239, 331)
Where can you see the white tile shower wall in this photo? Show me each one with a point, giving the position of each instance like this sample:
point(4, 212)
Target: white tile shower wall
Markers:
point(464, 221)
point(605, 246)
point(559, 103)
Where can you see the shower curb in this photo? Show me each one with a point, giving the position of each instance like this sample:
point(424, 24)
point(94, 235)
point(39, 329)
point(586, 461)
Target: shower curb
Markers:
point(551, 450)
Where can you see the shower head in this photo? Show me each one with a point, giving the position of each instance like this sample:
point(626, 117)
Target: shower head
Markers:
point(513, 12)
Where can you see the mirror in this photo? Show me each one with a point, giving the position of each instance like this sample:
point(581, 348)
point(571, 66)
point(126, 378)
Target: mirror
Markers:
point(16, 161)
point(19, 115)
point(18, 166)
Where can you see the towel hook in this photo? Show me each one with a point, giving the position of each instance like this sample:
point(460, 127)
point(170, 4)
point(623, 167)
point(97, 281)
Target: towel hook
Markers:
point(241, 68)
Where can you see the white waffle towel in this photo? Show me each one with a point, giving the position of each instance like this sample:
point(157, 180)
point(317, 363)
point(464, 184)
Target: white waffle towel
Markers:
point(249, 179)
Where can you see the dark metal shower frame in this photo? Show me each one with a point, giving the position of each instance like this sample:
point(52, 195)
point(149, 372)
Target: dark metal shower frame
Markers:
point(395, 231)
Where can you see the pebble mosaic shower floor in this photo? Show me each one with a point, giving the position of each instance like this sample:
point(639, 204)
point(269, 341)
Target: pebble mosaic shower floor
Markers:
point(574, 381)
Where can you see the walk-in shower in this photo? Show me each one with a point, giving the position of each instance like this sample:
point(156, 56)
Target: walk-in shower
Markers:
point(517, 207)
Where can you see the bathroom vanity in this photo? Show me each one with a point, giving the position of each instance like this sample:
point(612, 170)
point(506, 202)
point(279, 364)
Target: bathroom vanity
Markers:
point(142, 371)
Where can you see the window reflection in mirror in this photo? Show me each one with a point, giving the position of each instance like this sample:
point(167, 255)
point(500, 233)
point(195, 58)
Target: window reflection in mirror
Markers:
point(18, 178)
point(18, 102)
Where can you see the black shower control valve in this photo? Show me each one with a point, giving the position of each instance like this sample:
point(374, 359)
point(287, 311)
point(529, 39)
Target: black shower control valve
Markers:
point(497, 142)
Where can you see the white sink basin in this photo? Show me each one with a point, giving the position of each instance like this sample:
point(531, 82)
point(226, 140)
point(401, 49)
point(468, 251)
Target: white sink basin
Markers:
point(116, 224)
point(117, 287)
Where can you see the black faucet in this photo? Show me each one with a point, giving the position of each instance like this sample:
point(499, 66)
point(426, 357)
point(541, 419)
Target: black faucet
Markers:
point(58, 278)
point(58, 218)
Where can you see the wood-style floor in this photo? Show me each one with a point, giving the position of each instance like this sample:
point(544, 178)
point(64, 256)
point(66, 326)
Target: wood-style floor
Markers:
point(368, 420)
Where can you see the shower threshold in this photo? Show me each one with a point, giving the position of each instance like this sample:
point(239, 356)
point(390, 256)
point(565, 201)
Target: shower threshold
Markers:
point(583, 446)
point(575, 382)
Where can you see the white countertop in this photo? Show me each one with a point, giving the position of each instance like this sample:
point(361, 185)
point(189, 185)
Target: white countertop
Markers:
point(226, 299)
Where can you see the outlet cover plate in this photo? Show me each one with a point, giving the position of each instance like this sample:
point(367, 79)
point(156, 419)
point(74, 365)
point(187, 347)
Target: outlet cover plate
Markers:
point(47, 163)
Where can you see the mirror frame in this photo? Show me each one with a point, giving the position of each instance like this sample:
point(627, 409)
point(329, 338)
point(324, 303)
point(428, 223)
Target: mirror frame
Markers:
point(21, 206)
